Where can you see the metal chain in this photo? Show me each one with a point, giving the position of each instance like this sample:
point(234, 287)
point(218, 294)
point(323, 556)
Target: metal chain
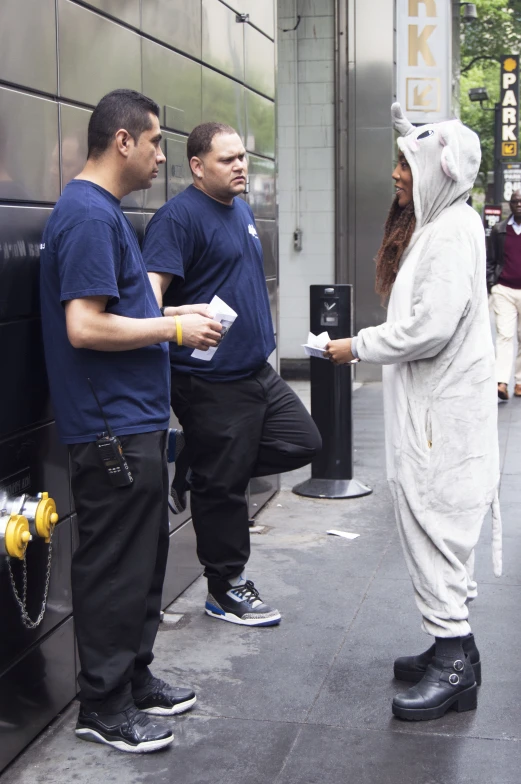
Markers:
point(22, 602)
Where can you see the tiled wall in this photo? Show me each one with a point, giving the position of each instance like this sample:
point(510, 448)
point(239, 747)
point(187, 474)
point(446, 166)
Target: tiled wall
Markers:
point(306, 157)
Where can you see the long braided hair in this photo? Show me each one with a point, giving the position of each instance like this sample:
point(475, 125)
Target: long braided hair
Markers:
point(398, 231)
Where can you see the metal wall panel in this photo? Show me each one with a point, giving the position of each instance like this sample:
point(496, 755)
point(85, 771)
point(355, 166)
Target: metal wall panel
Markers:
point(374, 157)
point(74, 125)
point(273, 293)
point(29, 170)
point(176, 22)
point(35, 689)
point(268, 236)
point(28, 26)
point(260, 124)
point(374, 64)
point(259, 61)
point(183, 566)
point(370, 137)
point(174, 82)
point(223, 39)
point(24, 397)
point(179, 175)
point(261, 196)
point(126, 10)
point(16, 638)
point(174, 176)
point(262, 13)
point(223, 101)
point(73, 139)
point(21, 230)
point(95, 55)
point(137, 221)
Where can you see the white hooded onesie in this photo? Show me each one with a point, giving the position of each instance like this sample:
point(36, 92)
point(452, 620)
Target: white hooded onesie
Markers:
point(440, 395)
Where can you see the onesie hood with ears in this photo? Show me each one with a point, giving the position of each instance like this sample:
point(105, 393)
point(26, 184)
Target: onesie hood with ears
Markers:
point(444, 158)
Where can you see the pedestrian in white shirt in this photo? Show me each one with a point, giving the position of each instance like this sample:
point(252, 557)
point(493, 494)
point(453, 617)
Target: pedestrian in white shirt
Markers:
point(504, 283)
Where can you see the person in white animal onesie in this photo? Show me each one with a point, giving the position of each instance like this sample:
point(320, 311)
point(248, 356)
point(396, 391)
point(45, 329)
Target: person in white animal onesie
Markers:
point(440, 401)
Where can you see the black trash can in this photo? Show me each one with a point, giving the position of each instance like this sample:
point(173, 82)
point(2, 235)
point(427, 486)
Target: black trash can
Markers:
point(331, 400)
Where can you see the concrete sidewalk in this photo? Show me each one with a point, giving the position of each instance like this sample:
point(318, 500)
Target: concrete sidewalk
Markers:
point(308, 702)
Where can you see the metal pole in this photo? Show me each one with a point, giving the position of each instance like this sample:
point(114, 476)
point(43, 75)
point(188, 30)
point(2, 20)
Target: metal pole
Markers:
point(331, 404)
point(498, 190)
point(341, 144)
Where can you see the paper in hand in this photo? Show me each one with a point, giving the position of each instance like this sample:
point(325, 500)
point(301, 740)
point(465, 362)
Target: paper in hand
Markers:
point(316, 345)
point(225, 316)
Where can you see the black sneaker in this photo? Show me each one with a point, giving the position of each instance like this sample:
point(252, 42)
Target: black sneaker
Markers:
point(131, 730)
point(181, 481)
point(175, 444)
point(160, 699)
point(241, 604)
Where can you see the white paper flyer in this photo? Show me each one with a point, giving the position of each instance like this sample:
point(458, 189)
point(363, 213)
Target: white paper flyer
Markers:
point(225, 315)
point(316, 345)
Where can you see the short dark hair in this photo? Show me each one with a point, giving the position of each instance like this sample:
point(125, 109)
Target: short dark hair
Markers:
point(126, 109)
point(200, 140)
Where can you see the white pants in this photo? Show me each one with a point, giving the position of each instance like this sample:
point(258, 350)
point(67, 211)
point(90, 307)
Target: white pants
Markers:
point(506, 303)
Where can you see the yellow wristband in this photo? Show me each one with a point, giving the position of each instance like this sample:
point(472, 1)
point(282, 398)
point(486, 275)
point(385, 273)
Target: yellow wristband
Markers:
point(179, 328)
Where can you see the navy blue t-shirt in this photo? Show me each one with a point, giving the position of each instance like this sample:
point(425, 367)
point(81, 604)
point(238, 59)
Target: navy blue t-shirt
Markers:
point(90, 249)
point(211, 249)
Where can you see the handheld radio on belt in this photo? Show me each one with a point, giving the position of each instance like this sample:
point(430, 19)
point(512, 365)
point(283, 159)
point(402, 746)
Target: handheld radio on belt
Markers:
point(111, 452)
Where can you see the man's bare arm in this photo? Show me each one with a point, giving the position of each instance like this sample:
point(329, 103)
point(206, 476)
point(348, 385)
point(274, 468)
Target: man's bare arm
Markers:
point(89, 326)
point(160, 281)
point(199, 331)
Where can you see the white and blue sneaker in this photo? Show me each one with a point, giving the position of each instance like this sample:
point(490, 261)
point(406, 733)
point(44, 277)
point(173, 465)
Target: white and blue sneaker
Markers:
point(241, 604)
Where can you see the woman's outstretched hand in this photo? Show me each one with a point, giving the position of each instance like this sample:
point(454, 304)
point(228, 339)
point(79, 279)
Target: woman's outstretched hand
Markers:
point(339, 351)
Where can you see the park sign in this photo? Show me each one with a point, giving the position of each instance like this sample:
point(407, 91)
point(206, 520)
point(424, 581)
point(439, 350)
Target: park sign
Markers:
point(424, 59)
point(511, 179)
point(509, 101)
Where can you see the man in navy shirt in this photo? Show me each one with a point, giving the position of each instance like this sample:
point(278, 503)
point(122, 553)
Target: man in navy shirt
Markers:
point(239, 418)
point(104, 336)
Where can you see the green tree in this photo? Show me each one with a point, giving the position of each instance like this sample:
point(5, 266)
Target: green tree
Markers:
point(497, 31)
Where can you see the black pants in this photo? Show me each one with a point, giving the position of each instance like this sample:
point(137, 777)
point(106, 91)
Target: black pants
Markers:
point(235, 431)
point(118, 568)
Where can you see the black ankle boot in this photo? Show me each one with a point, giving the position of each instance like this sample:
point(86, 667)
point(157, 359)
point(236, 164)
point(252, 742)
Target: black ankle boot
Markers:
point(446, 684)
point(413, 668)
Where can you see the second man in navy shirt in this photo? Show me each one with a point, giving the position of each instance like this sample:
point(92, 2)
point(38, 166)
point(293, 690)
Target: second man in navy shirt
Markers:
point(240, 419)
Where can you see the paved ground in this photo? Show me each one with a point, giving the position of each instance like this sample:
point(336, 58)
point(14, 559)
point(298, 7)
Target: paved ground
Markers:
point(309, 702)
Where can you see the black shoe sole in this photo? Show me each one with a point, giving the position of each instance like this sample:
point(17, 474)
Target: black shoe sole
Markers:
point(415, 677)
point(466, 700)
